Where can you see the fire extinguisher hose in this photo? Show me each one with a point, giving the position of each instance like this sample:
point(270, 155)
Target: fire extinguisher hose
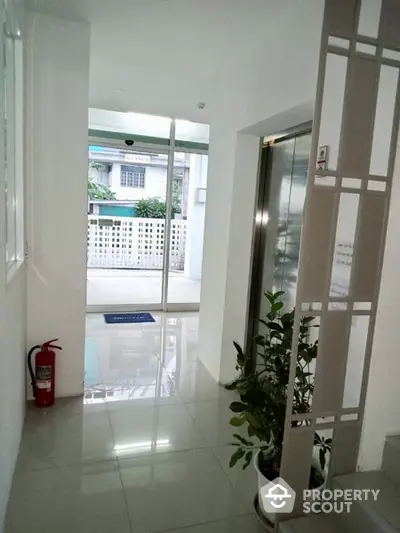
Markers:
point(33, 380)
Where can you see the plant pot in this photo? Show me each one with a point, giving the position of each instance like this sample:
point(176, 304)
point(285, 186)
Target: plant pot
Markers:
point(270, 518)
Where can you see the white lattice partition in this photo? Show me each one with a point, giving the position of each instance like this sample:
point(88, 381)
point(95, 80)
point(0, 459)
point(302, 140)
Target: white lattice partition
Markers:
point(150, 243)
point(122, 242)
point(344, 227)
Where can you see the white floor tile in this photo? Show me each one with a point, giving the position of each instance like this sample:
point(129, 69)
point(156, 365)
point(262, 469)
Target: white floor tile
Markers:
point(169, 491)
point(212, 418)
point(63, 440)
point(160, 429)
point(241, 524)
point(194, 383)
point(127, 394)
point(81, 498)
point(151, 416)
point(63, 408)
point(244, 482)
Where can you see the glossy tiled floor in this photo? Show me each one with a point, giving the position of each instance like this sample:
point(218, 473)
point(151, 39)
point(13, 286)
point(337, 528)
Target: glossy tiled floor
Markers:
point(145, 451)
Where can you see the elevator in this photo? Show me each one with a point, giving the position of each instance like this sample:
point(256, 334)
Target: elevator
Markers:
point(280, 204)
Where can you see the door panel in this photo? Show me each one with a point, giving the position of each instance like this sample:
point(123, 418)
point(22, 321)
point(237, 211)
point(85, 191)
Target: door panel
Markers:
point(187, 228)
point(126, 226)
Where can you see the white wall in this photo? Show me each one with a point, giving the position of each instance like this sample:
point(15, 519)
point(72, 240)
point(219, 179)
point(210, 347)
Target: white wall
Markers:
point(12, 337)
point(232, 179)
point(12, 361)
point(382, 410)
point(240, 251)
point(57, 119)
point(267, 90)
point(221, 162)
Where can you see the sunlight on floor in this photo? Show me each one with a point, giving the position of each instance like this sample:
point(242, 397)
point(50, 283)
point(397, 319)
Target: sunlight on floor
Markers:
point(117, 286)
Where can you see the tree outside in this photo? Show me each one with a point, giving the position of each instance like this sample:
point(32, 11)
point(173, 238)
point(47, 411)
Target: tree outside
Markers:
point(98, 191)
point(156, 207)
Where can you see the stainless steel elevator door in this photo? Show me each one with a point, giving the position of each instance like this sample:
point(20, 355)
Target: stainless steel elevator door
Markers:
point(290, 211)
point(283, 189)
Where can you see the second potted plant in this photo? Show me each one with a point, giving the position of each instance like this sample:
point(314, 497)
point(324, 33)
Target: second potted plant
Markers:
point(263, 385)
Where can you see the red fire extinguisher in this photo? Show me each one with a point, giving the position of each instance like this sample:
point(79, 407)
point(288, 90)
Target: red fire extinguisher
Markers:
point(43, 379)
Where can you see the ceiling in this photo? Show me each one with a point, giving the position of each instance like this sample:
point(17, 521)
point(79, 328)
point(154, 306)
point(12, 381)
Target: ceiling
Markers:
point(165, 56)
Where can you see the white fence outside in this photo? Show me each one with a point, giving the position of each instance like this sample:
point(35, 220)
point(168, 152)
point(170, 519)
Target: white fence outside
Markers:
point(124, 242)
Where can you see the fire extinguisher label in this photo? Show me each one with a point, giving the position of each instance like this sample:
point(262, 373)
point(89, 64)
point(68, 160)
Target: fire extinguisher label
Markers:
point(43, 377)
point(43, 385)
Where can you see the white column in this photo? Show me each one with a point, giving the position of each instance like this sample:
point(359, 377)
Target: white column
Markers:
point(57, 159)
point(231, 191)
point(195, 218)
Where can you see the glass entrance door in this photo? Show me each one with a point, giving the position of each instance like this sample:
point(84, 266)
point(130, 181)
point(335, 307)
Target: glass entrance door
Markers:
point(147, 180)
point(131, 264)
point(126, 227)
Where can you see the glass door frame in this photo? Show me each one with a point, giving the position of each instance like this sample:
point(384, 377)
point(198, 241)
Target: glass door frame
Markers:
point(112, 140)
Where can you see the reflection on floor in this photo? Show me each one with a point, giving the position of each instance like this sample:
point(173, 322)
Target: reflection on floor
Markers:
point(146, 449)
point(118, 286)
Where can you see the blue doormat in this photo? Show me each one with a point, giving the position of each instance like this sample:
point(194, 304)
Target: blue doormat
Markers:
point(127, 318)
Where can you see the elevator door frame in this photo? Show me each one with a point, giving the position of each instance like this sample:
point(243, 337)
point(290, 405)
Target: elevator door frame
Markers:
point(260, 227)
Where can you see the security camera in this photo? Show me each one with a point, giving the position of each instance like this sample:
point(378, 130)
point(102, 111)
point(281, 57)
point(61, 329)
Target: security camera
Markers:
point(128, 142)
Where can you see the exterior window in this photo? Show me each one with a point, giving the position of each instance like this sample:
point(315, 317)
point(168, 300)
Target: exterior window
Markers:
point(133, 176)
point(13, 136)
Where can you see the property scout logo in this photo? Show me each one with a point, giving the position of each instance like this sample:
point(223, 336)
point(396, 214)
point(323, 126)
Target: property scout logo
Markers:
point(279, 497)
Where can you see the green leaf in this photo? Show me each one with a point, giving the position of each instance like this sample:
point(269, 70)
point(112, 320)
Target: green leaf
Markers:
point(248, 367)
point(275, 334)
point(238, 348)
point(242, 439)
point(317, 439)
point(260, 340)
point(253, 420)
point(307, 319)
point(236, 457)
point(322, 459)
point(237, 407)
point(287, 317)
point(275, 325)
point(240, 355)
point(231, 386)
point(236, 421)
point(279, 294)
point(247, 459)
point(307, 356)
point(250, 431)
point(276, 307)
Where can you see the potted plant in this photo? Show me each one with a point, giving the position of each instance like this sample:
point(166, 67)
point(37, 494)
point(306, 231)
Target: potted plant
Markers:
point(263, 386)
